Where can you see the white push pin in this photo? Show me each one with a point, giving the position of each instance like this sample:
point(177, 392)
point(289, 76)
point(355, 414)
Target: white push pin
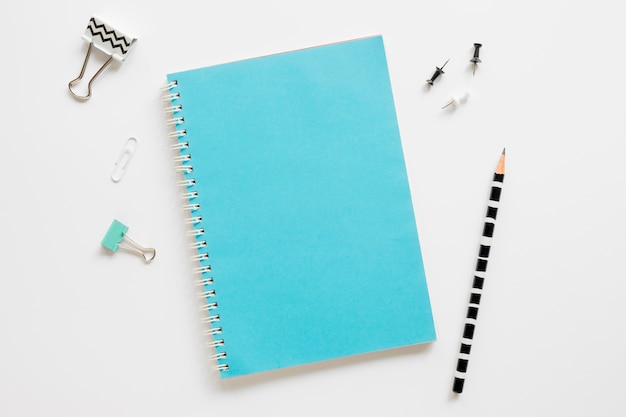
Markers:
point(458, 99)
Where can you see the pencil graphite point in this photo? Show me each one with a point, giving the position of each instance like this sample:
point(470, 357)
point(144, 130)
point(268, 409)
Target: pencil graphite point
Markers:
point(500, 167)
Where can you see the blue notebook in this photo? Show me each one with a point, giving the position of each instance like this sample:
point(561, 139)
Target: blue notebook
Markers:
point(298, 192)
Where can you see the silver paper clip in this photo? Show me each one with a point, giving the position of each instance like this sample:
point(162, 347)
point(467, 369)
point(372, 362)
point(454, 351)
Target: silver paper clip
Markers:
point(124, 159)
point(107, 39)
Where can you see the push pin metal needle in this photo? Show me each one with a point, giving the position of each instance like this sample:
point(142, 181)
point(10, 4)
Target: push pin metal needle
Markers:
point(437, 73)
point(475, 59)
point(456, 100)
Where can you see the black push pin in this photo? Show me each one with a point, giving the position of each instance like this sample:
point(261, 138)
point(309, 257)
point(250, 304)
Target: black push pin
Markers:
point(475, 60)
point(437, 73)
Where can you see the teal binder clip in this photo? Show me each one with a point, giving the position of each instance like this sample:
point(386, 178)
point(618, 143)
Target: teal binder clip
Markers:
point(116, 238)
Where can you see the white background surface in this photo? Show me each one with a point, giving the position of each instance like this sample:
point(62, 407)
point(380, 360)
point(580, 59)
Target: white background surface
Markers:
point(84, 333)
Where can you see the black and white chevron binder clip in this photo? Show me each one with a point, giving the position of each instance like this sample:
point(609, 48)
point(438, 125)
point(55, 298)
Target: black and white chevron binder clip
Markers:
point(107, 39)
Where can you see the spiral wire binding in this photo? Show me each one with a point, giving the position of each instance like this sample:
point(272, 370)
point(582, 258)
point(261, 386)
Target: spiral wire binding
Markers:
point(184, 166)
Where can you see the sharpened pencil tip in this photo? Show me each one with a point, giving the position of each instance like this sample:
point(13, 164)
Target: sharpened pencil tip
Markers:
point(500, 167)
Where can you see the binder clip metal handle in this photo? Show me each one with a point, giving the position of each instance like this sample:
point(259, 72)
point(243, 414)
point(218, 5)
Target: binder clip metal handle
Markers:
point(117, 238)
point(107, 39)
point(82, 72)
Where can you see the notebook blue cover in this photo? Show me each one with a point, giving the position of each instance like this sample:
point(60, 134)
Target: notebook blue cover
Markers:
point(306, 211)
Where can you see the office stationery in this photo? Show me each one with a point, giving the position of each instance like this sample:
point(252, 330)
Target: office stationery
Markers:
point(475, 59)
point(458, 99)
point(437, 73)
point(304, 235)
point(105, 38)
point(479, 277)
point(116, 238)
point(124, 159)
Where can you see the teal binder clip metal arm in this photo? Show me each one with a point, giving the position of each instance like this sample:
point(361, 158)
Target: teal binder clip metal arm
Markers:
point(117, 238)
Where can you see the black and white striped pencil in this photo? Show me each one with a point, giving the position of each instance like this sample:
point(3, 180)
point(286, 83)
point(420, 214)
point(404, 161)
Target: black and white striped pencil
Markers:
point(479, 277)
